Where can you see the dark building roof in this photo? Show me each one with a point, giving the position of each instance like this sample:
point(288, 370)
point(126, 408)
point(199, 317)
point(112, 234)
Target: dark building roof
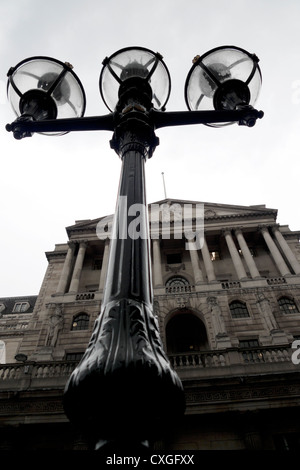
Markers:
point(7, 304)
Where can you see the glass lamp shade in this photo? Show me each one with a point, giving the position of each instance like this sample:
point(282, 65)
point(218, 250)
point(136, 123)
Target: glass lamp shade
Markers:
point(223, 79)
point(134, 63)
point(45, 88)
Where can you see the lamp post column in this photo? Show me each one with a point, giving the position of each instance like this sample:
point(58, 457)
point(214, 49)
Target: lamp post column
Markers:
point(104, 265)
point(124, 376)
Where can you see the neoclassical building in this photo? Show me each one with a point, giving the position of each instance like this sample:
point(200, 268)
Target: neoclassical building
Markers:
point(228, 312)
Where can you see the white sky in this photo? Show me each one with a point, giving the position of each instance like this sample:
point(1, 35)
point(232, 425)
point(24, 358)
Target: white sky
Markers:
point(49, 182)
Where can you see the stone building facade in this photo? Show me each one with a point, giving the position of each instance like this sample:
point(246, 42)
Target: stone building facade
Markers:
point(229, 316)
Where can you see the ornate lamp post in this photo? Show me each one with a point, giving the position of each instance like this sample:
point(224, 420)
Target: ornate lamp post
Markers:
point(123, 392)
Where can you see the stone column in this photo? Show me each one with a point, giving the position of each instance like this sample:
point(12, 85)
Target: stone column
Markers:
point(157, 269)
point(235, 256)
point(66, 271)
point(208, 262)
point(279, 261)
point(78, 267)
point(198, 276)
point(286, 250)
point(247, 254)
point(104, 265)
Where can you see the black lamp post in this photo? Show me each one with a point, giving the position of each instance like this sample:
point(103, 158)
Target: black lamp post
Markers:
point(124, 392)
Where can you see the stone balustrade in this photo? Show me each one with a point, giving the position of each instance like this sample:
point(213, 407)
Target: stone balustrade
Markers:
point(85, 296)
point(36, 370)
point(230, 284)
point(212, 359)
point(275, 281)
point(180, 289)
point(209, 360)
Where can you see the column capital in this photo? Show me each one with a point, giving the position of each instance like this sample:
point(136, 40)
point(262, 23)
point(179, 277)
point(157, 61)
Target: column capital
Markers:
point(275, 227)
point(226, 231)
point(238, 229)
point(71, 244)
point(83, 243)
point(263, 228)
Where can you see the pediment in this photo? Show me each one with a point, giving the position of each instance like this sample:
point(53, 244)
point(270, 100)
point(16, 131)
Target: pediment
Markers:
point(176, 209)
point(213, 211)
point(88, 225)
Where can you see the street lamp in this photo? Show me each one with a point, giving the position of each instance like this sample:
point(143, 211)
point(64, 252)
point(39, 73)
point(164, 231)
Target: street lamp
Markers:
point(225, 78)
point(42, 88)
point(124, 391)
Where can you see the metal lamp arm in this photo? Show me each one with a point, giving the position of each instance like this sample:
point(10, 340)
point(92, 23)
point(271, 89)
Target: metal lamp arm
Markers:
point(25, 126)
point(246, 115)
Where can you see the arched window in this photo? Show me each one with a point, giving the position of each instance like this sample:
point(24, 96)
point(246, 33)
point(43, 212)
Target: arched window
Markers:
point(287, 305)
point(238, 309)
point(2, 352)
point(80, 322)
point(177, 284)
point(185, 333)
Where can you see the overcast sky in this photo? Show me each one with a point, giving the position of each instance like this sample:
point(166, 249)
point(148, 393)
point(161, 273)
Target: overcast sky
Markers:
point(49, 182)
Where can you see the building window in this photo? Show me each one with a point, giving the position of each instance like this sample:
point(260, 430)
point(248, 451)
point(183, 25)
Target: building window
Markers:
point(174, 258)
point(20, 307)
point(248, 343)
point(185, 333)
point(214, 255)
point(80, 322)
point(97, 264)
point(287, 305)
point(177, 284)
point(74, 356)
point(251, 250)
point(238, 309)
